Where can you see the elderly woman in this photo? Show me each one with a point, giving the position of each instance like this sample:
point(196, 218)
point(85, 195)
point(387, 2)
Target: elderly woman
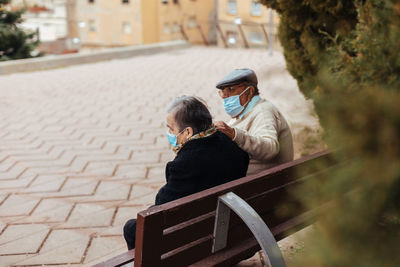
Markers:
point(204, 156)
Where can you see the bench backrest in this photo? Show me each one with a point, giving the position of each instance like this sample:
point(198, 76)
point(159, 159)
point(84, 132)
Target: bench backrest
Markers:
point(180, 233)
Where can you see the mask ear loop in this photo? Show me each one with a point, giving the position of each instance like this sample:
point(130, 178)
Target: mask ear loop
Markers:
point(182, 132)
point(243, 93)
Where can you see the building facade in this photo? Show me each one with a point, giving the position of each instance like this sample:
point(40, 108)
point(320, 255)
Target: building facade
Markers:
point(245, 23)
point(110, 23)
point(104, 23)
point(47, 16)
point(113, 23)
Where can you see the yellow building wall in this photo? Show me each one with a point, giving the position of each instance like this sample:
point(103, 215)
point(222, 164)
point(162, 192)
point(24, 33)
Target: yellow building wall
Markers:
point(168, 15)
point(109, 16)
point(205, 14)
point(173, 15)
point(150, 21)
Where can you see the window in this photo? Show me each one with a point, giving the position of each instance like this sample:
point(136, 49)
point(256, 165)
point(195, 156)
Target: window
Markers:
point(176, 2)
point(256, 38)
point(232, 8)
point(125, 1)
point(164, 2)
point(92, 25)
point(175, 27)
point(192, 22)
point(166, 28)
point(256, 8)
point(126, 27)
point(231, 37)
point(81, 24)
point(91, 1)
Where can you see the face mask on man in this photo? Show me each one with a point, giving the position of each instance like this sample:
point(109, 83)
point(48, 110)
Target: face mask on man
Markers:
point(232, 104)
point(172, 138)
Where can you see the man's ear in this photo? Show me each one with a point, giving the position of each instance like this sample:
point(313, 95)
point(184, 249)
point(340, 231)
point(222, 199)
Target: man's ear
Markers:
point(252, 90)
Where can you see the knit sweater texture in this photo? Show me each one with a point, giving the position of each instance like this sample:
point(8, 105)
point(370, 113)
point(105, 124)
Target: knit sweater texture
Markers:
point(265, 135)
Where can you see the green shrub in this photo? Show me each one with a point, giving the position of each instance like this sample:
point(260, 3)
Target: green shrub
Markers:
point(15, 43)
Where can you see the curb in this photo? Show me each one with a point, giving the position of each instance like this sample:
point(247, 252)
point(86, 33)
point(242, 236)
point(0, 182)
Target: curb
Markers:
point(60, 61)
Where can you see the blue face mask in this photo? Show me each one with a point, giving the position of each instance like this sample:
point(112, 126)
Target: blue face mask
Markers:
point(172, 138)
point(232, 104)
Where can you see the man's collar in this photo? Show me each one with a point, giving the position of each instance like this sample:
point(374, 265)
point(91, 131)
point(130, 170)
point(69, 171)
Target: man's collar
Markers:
point(250, 106)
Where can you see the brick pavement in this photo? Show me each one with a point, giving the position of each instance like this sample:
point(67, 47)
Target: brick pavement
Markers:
point(82, 149)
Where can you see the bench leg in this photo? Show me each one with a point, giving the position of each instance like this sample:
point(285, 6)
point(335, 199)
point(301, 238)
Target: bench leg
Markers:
point(260, 230)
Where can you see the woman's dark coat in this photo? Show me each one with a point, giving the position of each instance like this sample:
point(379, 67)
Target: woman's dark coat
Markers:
point(201, 164)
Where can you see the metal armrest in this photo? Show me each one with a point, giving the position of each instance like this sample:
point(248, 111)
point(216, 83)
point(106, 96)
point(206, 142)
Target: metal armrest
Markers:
point(260, 230)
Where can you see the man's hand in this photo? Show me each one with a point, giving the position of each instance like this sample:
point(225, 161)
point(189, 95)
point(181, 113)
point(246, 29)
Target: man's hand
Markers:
point(224, 128)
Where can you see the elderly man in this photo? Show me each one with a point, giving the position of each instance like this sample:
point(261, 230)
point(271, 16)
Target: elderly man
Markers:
point(204, 156)
point(257, 126)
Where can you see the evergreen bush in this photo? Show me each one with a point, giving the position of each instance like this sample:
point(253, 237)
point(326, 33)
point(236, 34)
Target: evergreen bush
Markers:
point(15, 43)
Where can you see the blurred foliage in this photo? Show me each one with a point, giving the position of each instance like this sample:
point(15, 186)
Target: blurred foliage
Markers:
point(307, 28)
point(345, 56)
point(15, 43)
point(308, 141)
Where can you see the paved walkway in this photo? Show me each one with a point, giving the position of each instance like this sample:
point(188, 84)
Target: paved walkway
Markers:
point(82, 149)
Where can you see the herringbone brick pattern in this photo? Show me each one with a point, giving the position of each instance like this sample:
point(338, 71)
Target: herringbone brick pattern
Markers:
point(83, 149)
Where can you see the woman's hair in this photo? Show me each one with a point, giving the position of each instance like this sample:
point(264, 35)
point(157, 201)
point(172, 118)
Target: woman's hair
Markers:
point(190, 111)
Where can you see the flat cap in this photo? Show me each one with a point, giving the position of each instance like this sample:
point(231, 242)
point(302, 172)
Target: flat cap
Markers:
point(238, 76)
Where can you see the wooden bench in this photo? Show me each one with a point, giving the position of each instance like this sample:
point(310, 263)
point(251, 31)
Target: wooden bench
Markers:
point(187, 232)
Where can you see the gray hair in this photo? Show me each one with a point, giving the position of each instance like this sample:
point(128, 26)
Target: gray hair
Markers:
point(190, 111)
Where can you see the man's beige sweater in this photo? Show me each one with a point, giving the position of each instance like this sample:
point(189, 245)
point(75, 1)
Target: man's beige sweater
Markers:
point(265, 135)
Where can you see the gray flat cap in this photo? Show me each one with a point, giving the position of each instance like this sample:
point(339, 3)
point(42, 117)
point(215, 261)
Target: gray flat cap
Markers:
point(238, 76)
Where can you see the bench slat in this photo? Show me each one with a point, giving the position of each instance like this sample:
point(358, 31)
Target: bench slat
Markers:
point(189, 253)
point(187, 232)
point(248, 247)
point(229, 257)
point(119, 260)
point(242, 232)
